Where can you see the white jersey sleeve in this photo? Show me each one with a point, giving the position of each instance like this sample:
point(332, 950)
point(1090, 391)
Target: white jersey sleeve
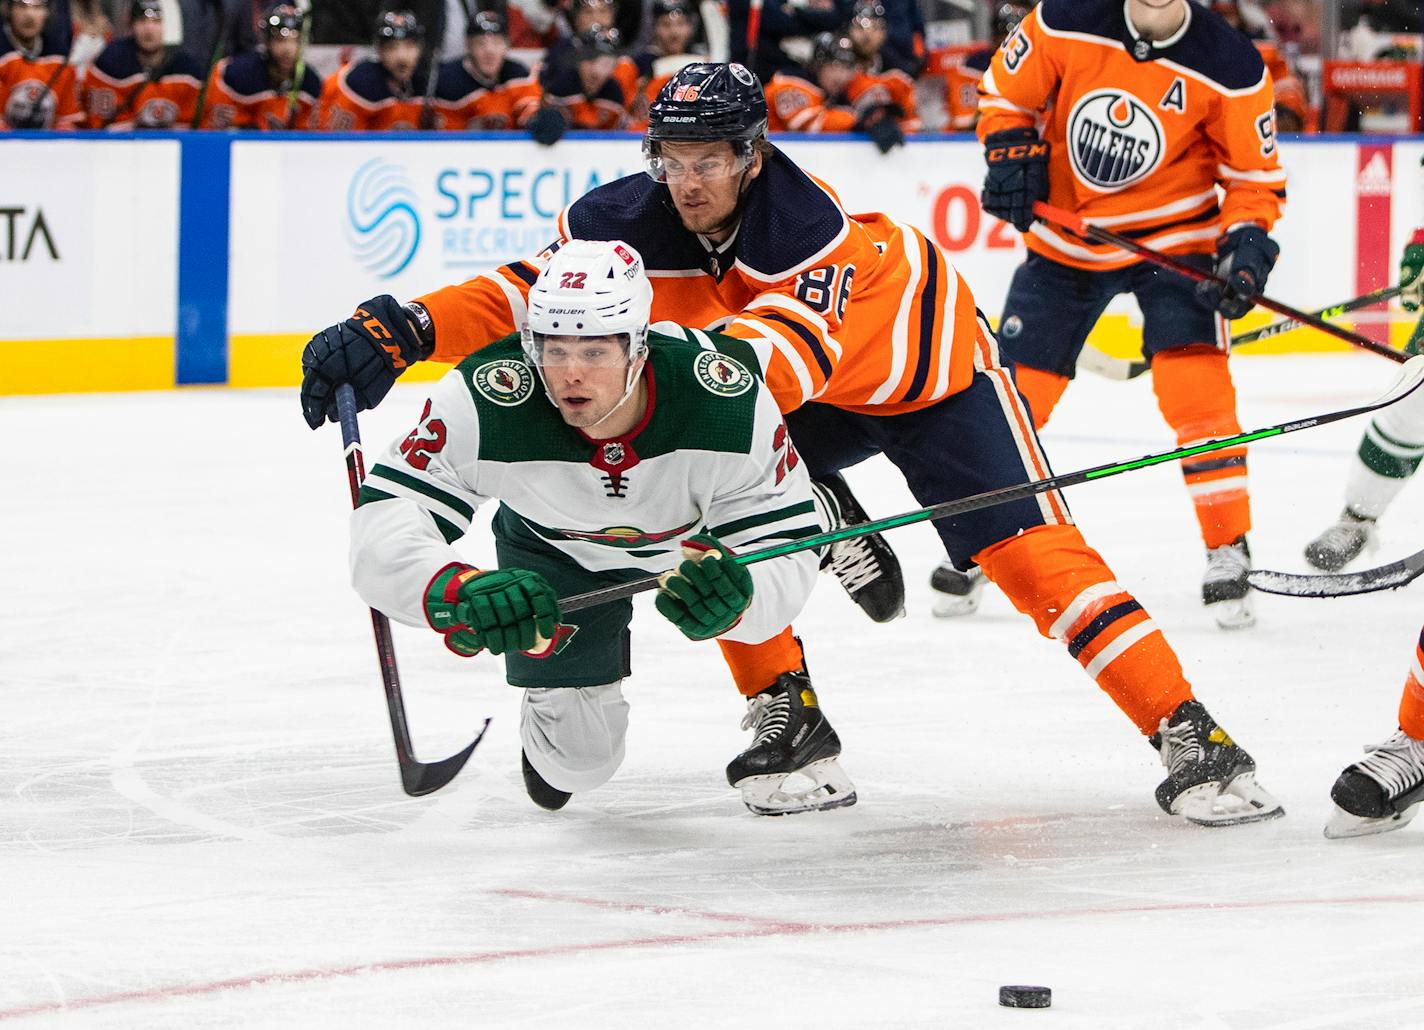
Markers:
point(417, 499)
point(766, 500)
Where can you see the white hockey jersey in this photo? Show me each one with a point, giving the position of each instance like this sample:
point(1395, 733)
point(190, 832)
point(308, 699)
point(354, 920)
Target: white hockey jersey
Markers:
point(712, 455)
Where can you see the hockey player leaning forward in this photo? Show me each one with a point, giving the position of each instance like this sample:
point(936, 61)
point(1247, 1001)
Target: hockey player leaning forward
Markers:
point(870, 342)
point(1146, 107)
point(656, 432)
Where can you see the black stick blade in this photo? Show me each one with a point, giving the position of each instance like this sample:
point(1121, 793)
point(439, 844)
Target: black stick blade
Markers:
point(1339, 584)
point(421, 778)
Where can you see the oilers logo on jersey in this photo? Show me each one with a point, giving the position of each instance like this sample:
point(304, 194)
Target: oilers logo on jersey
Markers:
point(30, 106)
point(1114, 139)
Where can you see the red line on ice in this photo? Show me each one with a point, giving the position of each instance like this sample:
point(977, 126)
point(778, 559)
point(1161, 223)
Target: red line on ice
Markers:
point(755, 928)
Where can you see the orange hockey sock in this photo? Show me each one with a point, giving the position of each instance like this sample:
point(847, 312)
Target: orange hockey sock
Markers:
point(756, 666)
point(1053, 576)
point(1042, 390)
point(1198, 400)
point(1411, 705)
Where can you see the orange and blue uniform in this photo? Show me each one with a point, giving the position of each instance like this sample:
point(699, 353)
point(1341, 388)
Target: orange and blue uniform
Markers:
point(120, 94)
point(360, 98)
point(1171, 143)
point(241, 95)
point(466, 100)
point(38, 91)
point(871, 342)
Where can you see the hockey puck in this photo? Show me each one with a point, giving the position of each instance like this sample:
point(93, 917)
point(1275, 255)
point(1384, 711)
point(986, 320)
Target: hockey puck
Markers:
point(1023, 996)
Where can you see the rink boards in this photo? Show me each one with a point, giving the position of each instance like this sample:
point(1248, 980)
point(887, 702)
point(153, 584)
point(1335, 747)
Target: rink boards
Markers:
point(145, 262)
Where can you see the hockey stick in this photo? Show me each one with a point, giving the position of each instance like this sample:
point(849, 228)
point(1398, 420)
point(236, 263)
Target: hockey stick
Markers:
point(1078, 226)
point(1090, 359)
point(294, 95)
point(417, 777)
point(1409, 381)
point(753, 32)
point(1339, 584)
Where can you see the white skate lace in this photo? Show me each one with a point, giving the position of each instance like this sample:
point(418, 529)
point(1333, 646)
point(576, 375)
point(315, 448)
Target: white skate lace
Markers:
point(1180, 746)
point(1226, 563)
point(853, 563)
point(768, 715)
point(1397, 765)
point(1345, 535)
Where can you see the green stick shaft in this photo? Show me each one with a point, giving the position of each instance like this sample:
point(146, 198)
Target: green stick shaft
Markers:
point(1006, 494)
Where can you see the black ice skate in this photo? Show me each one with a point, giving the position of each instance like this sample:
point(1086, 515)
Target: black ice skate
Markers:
point(1225, 591)
point(864, 565)
point(1210, 780)
point(956, 593)
point(794, 741)
point(1342, 542)
point(1380, 792)
point(540, 792)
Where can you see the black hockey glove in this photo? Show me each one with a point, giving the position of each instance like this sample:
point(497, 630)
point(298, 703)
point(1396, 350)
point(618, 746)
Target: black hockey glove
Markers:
point(1018, 175)
point(1244, 258)
point(369, 350)
point(882, 125)
point(547, 126)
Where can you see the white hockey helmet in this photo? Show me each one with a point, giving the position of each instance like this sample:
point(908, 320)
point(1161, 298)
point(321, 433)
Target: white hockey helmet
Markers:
point(590, 288)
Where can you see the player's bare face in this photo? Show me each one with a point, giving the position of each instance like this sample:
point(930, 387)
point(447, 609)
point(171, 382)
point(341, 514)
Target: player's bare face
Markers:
point(27, 22)
point(399, 58)
point(835, 77)
point(1157, 19)
point(867, 35)
point(671, 34)
point(705, 180)
point(587, 376)
point(601, 15)
point(282, 51)
point(594, 72)
point(148, 34)
point(487, 53)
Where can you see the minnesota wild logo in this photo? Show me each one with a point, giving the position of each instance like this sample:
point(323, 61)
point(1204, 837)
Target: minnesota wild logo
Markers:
point(721, 375)
point(505, 382)
point(626, 536)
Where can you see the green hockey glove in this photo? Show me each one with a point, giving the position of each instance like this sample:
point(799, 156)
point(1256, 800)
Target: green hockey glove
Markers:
point(706, 595)
point(1411, 272)
point(496, 611)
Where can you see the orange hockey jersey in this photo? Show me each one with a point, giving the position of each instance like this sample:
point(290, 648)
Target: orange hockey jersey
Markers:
point(464, 101)
point(359, 98)
point(120, 94)
point(38, 92)
point(1140, 134)
point(860, 312)
point(890, 86)
point(794, 104)
point(241, 96)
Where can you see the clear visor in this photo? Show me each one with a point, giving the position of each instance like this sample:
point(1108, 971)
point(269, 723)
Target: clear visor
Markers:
point(673, 168)
point(588, 351)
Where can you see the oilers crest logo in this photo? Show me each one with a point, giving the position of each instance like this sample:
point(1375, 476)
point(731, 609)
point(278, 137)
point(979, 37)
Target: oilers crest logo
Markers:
point(1114, 140)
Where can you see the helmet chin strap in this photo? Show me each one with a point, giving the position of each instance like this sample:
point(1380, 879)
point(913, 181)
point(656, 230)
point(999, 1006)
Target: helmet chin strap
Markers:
point(634, 370)
point(736, 216)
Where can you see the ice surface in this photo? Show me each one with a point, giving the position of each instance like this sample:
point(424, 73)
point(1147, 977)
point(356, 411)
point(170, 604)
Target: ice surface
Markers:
point(201, 822)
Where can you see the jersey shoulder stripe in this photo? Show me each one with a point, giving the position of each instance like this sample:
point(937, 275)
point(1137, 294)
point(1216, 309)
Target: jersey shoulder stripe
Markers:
point(790, 222)
point(1209, 47)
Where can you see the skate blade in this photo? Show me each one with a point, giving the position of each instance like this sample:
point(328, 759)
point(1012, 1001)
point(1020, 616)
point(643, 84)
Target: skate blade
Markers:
point(954, 606)
point(1342, 824)
point(1241, 801)
point(1233, 614)
point(769, 794)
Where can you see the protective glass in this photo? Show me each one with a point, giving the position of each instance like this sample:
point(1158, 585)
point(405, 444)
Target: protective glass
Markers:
point(708, 168)
point(590, 352)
